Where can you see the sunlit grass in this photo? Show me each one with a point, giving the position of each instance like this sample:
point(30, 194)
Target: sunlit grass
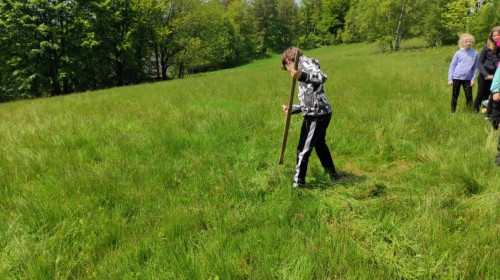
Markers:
point(180, 179)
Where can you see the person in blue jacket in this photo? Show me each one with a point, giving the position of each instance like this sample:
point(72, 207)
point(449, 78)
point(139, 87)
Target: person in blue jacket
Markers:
point(463, 70)
point(495, 113)
point(316, 112)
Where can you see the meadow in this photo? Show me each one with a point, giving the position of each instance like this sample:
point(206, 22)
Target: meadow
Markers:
point(180, 179)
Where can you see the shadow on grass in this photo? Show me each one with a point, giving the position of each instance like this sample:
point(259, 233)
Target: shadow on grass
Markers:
point(322, 182)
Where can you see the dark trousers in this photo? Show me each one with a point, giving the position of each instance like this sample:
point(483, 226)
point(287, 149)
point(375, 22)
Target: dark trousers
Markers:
point(495, 113)
point(489, 107)
point(495, 121)
point(483, 92)
point(456, 90)
point(495, 118)
point(497, 157)
point(312, 135)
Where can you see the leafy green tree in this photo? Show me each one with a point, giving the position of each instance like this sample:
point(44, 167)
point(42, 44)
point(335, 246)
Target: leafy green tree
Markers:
point(245, 40)
point(332, 20)
point(404, 11)
point(351, 32)
point(115, 27)
point(277, 23)
point(61, 46)
point(384, 21)
point(287, 25)
point(456, 18)
point(36, 46)
point(207, 39)
point(143, 38)
point(364, 22)
point(53, 47)
point(441, 21)
point(429, 23)
point(485, 16)
point(82, 66)
point(18, 76)
point(265, 12)
point(309, 17)
point(226, 3)
point(169, 19)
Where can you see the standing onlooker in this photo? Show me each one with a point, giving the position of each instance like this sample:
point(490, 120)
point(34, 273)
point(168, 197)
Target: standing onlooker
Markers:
point(488, 62)
point(463, 69)
point(495, 108)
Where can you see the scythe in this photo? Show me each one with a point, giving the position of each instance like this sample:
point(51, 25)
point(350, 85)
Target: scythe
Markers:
point(289, 111)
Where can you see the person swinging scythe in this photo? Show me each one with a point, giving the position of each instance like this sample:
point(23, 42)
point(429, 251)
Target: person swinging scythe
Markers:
point(315, 109)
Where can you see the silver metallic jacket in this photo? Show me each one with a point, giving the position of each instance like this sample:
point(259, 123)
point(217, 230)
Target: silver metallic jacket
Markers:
point(312, 98)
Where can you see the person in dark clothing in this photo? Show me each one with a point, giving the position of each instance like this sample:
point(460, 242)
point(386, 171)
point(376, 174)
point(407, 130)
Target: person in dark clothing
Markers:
point(488, 63)
point(316, 111)
point(495, 108)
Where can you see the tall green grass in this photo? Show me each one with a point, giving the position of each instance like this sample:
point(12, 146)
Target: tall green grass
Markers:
point(180, 180)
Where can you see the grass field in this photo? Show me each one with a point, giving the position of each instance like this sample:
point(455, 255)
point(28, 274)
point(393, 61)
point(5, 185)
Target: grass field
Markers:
point(180, 179)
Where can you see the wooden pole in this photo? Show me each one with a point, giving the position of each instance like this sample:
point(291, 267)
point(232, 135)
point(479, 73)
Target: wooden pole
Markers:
point(289, 111)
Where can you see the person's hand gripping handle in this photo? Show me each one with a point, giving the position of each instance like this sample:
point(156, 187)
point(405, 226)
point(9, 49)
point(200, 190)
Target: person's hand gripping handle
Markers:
point(295, 74)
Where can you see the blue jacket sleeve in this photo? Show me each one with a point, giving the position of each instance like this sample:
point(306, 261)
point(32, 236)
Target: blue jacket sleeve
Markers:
point(453, 65)
point(495, 84)
point(475, 67)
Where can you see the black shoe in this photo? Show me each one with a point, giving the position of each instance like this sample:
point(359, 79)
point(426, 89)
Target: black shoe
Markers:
point(332, 173)
point(334, 176)
point(299, 184)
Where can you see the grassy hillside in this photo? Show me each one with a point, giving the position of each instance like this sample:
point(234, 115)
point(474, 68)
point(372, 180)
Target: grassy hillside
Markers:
point(180, 180)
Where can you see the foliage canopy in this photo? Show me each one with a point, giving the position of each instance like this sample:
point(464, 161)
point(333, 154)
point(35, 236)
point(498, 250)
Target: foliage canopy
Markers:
point(61, 46)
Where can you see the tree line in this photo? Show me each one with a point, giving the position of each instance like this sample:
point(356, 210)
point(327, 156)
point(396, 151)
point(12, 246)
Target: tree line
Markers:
point(55, 47)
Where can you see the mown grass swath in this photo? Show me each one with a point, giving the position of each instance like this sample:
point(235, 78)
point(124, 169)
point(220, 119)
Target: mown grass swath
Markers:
point(179, 180)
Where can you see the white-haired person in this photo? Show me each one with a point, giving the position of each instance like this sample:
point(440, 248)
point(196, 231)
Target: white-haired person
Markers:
point(463, 70)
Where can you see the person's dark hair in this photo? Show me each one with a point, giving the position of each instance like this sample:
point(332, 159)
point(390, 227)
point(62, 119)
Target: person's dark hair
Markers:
point(290, 55)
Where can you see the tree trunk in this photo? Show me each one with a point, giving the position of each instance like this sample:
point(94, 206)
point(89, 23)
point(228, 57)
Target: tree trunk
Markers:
point(119, 73)
point(179, 74)
point(164, 66)
point(399, 29)
point(66, 86)
point(53, 73)
point(157, 64)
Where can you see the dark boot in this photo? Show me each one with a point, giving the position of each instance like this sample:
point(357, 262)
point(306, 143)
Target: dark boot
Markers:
point(497, 157)
point(333, 174)
point(489, 106)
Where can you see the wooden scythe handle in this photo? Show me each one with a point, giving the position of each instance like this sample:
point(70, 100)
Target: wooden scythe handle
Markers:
point(289, 111)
